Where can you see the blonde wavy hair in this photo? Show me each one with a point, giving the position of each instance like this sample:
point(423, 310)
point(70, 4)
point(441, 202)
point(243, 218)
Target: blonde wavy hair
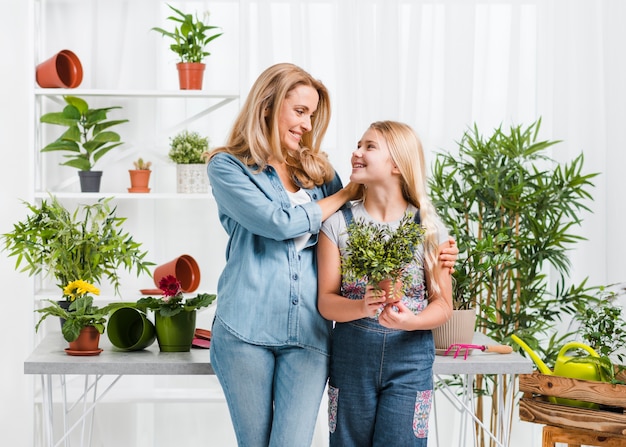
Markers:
point(406, 152)
point(254, 138)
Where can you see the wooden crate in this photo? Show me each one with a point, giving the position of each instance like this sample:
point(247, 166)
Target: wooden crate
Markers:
point(609, 418)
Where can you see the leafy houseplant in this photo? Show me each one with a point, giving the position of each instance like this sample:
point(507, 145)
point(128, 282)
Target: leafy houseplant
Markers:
point(88, 243)
point(602, 326)
point(174, 316)
point(173, 301)
point(140, 176)
point(187, 150)
point(87, 138)
point(191, 36)
point(511, 209)
point(378, 253)
point(81, 313)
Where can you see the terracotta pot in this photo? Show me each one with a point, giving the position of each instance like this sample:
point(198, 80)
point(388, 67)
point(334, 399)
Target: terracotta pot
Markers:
point(392, 295)
point(184, 268)
point(87, 342)
point(63, 70)
point(90, 180)
point(139, 180)
point(190, 75)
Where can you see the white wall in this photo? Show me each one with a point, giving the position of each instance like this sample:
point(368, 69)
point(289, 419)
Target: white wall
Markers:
point(16, 319)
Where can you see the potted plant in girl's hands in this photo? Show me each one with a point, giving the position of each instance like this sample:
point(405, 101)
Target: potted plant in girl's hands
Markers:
point(82, 321)
point(88, 243)
point(190, 41)
point(86, 138)
point(140, 176)
point(174, 315)
point(378, 255)
point(188, 150)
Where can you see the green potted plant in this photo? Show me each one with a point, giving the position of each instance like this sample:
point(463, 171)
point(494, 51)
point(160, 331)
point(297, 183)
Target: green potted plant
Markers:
point(140, 176)
point(82, 322)
point(87, 139)
point(174, 315)
point(191, 37)
point(512, 210)
point(187, 150)
point(379, 254)
point(602, 326)
point(88, 243)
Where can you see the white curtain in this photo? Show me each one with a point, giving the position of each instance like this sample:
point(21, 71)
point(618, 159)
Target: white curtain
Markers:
point(443, 65)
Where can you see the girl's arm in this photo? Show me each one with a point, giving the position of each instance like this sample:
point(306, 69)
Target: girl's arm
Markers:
point(331, 304)
point(436, 313)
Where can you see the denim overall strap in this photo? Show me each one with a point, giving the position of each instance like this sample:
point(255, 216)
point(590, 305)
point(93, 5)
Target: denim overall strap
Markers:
point(348, 216)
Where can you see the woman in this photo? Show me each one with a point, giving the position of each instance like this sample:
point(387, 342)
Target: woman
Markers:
point(380, 384)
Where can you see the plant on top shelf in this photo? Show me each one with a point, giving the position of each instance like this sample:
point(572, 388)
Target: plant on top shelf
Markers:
point(88, 243)
point(190, 37)
point(375, 253)
point(173, 301)
point(188, 148)
point(87, 139)
point(81, 313)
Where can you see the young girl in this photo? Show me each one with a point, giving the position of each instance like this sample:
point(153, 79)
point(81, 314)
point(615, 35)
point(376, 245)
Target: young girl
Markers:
point(380, 386)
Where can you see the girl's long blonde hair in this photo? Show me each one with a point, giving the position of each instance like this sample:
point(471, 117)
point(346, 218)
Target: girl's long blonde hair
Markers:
point(406, 152)
point(254, 138)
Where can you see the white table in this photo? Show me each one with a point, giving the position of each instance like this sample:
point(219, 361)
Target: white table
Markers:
point(49, 358)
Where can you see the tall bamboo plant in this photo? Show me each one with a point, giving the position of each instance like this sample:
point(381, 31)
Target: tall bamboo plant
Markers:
point(513, 211)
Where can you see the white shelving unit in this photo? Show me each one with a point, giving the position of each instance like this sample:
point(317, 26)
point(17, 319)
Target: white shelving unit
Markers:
point(165, 222)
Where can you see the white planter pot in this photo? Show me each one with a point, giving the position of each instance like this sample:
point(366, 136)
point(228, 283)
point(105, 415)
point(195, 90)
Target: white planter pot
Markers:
point(458, 329)
point(192, 178)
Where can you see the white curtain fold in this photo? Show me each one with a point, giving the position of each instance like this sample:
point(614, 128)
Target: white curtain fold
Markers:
point(440, 66)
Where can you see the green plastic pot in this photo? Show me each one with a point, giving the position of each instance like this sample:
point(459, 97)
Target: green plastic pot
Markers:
point(175, 334)
point(130, 330)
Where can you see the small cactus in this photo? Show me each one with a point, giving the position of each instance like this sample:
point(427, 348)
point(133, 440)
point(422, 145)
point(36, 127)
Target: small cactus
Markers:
point(140, 164)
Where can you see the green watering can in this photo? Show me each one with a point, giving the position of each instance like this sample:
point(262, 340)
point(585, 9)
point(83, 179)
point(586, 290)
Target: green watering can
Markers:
point(564, 368)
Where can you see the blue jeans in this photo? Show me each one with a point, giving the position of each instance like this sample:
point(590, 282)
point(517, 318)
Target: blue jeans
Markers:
point(273, 393)
point(380, 387)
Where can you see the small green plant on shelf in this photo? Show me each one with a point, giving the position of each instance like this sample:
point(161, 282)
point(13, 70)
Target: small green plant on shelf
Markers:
point(88, 136)
point(191, 36)
point(188, 148)
point(142, 165)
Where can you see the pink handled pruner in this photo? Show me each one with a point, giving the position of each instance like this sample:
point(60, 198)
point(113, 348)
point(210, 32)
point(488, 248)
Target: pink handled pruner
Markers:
point(458, 347)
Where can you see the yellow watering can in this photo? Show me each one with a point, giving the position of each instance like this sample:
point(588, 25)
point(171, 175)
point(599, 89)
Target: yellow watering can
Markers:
point(564, 368)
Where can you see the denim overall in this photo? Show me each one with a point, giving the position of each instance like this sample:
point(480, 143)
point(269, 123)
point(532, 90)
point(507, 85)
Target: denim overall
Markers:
point(380, 385)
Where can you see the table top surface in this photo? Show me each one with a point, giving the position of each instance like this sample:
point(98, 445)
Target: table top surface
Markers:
point(49, 357)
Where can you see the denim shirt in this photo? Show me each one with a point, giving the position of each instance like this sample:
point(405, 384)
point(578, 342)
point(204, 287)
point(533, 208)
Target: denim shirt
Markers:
point(267, 292)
